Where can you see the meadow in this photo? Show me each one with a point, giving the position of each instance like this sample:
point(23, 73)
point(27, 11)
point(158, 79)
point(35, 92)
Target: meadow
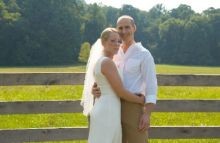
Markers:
point(161, 69)
point(30, 93)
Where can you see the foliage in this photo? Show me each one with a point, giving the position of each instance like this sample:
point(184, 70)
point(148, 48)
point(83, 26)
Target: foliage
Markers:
point(84, 52)
point(50, 32)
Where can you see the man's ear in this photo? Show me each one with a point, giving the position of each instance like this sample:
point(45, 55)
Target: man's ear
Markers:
point(135, 28)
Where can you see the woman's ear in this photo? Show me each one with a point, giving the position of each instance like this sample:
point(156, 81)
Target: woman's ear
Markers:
point(103, 43)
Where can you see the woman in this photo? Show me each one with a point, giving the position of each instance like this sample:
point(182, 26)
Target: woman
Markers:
point(105, 111)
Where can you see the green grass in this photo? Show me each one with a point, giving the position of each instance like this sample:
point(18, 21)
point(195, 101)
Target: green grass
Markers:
point(176, 69)
point(162, 69)
point(67, 68)
point(42, 120)
point(77, 119)
point(33, 93)
point(188, 92)
point(63, 92)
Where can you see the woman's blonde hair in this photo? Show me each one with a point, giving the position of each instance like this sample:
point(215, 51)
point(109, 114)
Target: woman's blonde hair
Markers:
point(106, 33)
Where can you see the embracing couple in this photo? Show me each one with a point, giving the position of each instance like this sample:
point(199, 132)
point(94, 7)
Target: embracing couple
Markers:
point(120, 86)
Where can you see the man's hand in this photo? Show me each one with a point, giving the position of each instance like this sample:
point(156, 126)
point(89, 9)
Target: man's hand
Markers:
point(96, 90)
point(144, 123)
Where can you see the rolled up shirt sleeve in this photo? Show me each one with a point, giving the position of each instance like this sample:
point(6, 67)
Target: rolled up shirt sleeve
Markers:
point(150, 80)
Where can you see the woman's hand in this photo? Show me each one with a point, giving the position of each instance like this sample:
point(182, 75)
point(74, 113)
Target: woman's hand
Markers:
point(142, 98)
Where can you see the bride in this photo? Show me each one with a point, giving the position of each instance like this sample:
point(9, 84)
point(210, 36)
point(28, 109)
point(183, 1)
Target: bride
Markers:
point(105, 111)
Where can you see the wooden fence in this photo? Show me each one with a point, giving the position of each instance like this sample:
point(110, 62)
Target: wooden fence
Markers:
point(71, 133)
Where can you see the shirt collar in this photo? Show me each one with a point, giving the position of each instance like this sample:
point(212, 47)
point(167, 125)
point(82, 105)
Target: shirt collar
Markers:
point(132, 49)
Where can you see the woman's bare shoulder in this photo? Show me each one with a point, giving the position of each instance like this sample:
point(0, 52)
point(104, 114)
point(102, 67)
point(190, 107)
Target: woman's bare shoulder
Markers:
point(108, 64)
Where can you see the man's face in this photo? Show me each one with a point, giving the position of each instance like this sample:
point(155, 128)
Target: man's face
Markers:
point(126, 29)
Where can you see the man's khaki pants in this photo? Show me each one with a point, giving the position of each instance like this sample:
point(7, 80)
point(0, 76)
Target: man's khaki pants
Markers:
point(130, 116)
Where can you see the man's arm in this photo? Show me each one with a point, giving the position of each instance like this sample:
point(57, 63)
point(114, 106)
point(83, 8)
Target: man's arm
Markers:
point(149, 74)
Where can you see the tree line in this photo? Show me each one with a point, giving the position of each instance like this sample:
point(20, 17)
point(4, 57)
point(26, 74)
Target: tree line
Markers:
point(51, 32)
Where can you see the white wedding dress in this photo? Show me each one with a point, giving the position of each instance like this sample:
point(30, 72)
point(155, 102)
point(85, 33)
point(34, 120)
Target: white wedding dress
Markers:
point(105, 116)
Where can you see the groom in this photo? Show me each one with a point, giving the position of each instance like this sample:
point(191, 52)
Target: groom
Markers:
point(139, 76)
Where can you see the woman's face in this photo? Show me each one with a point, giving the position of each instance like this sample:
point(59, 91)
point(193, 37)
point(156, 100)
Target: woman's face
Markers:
point(112, 44)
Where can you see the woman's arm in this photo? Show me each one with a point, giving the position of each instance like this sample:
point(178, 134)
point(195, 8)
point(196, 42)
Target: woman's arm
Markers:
point(110, 71)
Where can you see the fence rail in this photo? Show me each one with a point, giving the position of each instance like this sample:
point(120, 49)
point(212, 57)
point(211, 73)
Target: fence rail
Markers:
point(35, 107)
point(60, 134)
point(74, 133)
point(7, 79)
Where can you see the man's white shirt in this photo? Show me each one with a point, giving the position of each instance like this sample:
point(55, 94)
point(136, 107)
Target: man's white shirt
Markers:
point(138, 70)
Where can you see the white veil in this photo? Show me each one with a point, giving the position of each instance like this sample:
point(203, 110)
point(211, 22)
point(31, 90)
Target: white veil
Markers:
point(87, 98)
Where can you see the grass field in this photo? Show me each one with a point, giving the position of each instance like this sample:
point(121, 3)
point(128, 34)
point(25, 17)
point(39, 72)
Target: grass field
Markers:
point(162, 69)
point(24, 93)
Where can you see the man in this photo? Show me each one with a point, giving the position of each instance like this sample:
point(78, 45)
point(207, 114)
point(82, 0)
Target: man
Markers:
point(139, 76)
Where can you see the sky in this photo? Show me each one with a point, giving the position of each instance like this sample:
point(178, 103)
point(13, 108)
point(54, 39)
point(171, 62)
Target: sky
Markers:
point(196, 5)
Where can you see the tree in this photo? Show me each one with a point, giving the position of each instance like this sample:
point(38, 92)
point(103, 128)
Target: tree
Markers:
point(157, 11)
point(171, 36)
point(9, 11)
point(95, 21)
point(182, 12)
point(84, 52)
point(112, 15)
point(50, 32)
point(197, 41)
point(154, 18)
point(9, 17)
point(214, 37)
